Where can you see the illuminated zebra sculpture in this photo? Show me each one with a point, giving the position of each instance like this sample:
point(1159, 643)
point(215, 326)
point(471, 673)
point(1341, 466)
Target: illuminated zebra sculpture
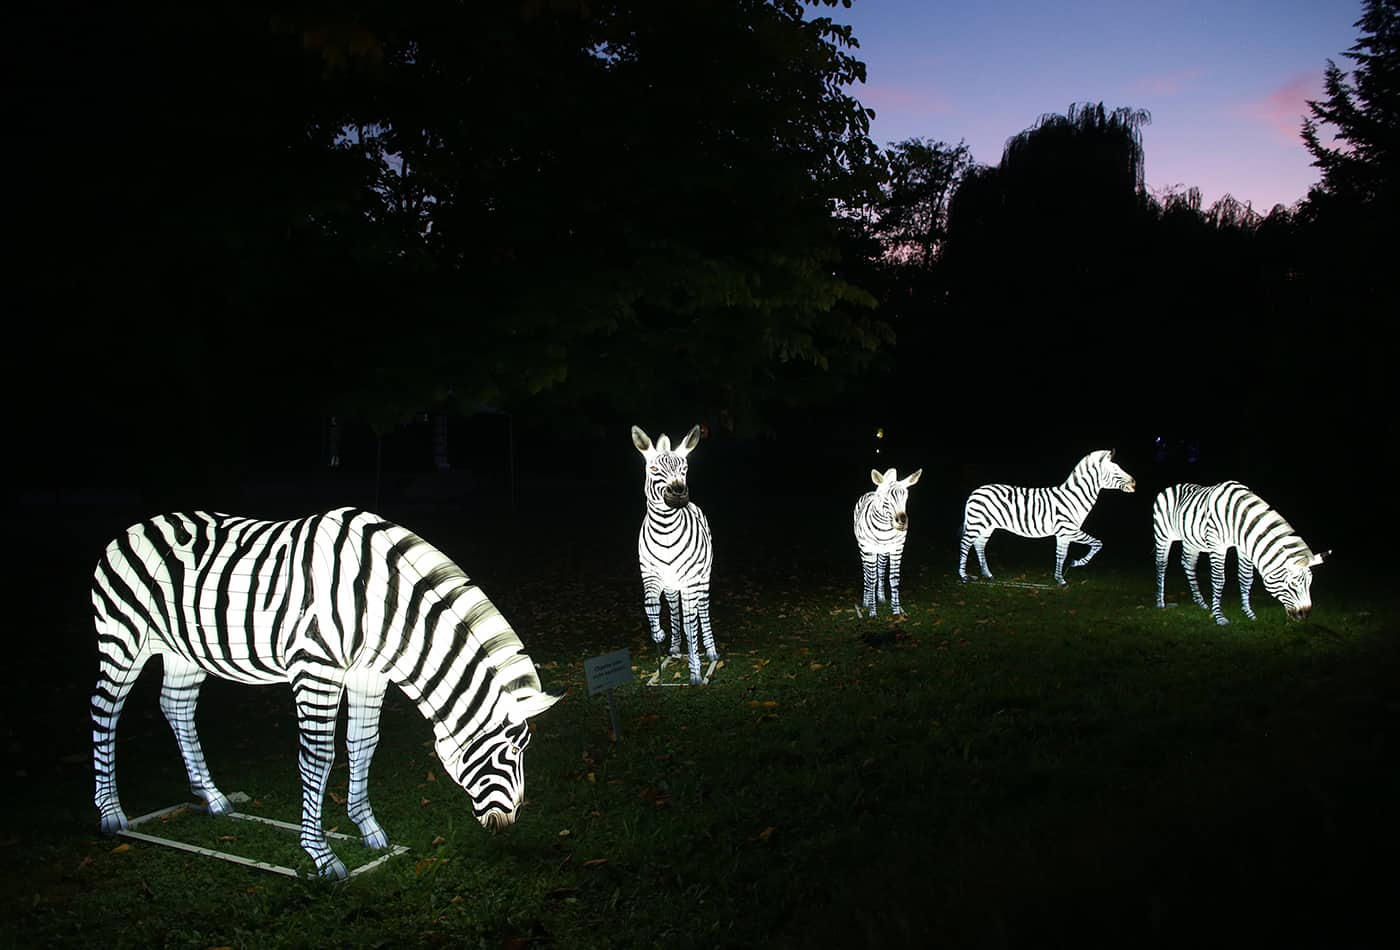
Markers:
point(1211, 519)
point(674, 550)
point(341, 603)
point(1057, 512)
point(882, 527)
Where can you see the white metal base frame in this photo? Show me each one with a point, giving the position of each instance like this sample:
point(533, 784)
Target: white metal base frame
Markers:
point(705, 678)
point(239, 798)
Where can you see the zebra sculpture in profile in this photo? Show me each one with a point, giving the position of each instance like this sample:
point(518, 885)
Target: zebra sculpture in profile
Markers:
point(1211, 519)
point(1057, 512)
point(881, 528)
point(674, 550)
point(336, 604)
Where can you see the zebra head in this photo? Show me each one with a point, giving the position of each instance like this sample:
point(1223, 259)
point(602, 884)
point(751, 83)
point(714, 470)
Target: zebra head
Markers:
point(1292, 585)
point(491, 767)
point(666, 467)
point(1111, 474)
point(891, 495)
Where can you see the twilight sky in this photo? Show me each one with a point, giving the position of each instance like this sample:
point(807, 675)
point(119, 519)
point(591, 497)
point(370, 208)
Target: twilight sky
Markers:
point(1224, 80)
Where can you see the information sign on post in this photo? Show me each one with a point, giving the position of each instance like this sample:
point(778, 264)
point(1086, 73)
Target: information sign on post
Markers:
point(605, 672)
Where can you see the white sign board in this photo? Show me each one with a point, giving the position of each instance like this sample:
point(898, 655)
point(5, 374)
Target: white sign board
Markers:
point(606, 671)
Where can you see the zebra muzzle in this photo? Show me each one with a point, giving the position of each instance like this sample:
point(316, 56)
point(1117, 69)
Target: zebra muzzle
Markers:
point(676, 499)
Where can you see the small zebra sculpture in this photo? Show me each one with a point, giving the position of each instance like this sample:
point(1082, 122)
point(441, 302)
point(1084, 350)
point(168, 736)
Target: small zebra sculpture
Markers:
point(1214, 518)
point(674, 550)
point(338, 605)
point(1057, 512)
point(881, 528)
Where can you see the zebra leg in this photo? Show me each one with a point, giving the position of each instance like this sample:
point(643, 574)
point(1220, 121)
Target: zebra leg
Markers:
point(707, 636)
point(867, 563)
point(1217, 586)
point(651, 603)
point(116, 675)
point(894, 560)
point(882, 573)
point(1061, 551)
point(980, 545)
point(1095, 546)
point(673, 608)
point(964, 546)
point(1161, 552)
point(317, 690)
point(364, 692)
point(1246, 582)
point(689, 613)
point(179, 695)
point(1189, 558)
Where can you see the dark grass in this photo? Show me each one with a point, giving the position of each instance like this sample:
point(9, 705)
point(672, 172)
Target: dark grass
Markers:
point(1008, 767)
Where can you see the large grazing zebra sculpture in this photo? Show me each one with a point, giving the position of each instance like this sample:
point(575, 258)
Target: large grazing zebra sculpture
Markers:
point(1214, 518)
point(1042, 512)
point(337, 603)
point(882, 527)
point(674, 549)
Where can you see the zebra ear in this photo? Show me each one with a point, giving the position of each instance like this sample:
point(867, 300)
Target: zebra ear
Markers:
point(688, 444)
point(663, 444)
point(912, 479)
point(531, 702)
point(1319, 558)
point(876, 477)
point(641, 440)
point(890, 476)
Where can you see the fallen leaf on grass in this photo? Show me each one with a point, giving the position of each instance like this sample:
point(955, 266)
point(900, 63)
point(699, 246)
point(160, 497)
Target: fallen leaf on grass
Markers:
point(424, 864)
point(816, 666)
point(457, 900)
point(764, 704)
point(227, 838)
point(766, 833)
point(338, 799)
point(423, 802)
point(565, 833)
point(439, 840)
point(121, 848)
point(430, 776)
point(595, 862)
point(655, 797)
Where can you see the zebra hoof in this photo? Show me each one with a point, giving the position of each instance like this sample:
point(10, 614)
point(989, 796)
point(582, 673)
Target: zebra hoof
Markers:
point(334, 870)
point(113, 823)
point(1062, 582)
point(217, 804)
point(712, 656)
point(964, 578)
point(1222, 621)
point(696, 680)
point(376, 840)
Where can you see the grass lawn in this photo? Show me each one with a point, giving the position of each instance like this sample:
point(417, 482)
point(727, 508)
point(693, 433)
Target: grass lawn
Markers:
point(1010, 766)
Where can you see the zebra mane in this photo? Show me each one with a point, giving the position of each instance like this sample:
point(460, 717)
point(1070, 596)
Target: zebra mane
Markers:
point(503, 651)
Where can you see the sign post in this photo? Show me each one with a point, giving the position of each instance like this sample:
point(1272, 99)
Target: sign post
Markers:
point(603, 673)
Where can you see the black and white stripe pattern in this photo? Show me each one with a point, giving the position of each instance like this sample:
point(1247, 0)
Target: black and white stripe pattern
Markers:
point(337, 604)
point(674, 549)
point(1211, 519)
point(1057, 512)
point(881, 528)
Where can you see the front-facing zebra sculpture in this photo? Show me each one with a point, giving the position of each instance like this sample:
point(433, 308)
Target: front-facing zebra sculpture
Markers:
point(882, 527)
point(340, 603)
point(674, 549)
point(1214, 518)
point(1042, 512)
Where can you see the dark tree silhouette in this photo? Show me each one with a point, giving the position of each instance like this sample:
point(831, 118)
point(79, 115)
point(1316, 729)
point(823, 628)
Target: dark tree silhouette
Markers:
point(1362, 112)
point(250, 215)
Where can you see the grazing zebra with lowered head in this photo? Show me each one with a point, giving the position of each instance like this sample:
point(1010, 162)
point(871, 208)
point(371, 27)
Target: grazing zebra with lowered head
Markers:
point(1042, 512)
point(1214, 518)
point(882, 527)
point(674, 550)
point(341, 603)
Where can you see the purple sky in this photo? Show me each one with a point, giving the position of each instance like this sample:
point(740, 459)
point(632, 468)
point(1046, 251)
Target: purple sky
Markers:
point(1224, 80)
